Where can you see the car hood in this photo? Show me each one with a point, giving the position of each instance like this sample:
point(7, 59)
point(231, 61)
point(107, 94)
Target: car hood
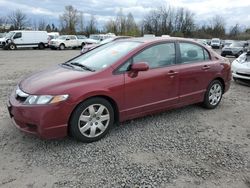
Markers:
point(2, 39)
point(56, 80)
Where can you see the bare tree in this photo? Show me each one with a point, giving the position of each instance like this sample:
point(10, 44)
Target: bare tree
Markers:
point(92, 25)
point(218, 24)
point(131, 27)
point(234, 31)
point(111, 26)
point(69, 19)
point(81, 22)
point(121, 22)
point(42, 25)
point(18, 19)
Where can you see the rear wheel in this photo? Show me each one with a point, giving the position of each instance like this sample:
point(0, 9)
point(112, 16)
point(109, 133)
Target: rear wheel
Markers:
point(41, 46)
point(91, 120)
point(12, 46)
point(62, 47)
point(213, 95)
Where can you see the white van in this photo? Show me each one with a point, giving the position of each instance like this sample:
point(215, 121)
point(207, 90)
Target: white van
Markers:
point(23, 39)
point(215, 43)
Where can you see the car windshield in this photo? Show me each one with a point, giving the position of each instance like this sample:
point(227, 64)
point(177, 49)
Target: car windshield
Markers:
point(106, 55)
point(10, 34)
point(63, 37)
point(215, 41)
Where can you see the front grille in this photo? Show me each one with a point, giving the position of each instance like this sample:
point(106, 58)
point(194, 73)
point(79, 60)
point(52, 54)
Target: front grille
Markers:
point(243, 74)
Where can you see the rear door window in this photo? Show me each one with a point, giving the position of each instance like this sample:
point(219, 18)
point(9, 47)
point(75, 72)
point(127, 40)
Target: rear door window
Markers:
point(190, 53)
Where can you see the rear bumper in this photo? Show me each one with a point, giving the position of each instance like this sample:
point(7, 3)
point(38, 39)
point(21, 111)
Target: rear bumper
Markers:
point(44, 121)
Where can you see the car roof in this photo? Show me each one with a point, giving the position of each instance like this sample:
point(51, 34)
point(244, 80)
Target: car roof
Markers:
point(158, 39)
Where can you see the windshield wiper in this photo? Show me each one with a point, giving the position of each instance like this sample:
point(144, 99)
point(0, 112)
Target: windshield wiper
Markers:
point(82, 66)
point(66, 64)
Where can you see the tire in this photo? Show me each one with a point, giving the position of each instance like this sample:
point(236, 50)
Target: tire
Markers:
point(62, 47)
point(213, 95)
point(41, 46)
point(235, 79)
point(86, 123)
point(12, 46)
point(83, 44)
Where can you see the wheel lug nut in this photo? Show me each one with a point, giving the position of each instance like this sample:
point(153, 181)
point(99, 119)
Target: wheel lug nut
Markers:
point(91, 123)
point(96, 123)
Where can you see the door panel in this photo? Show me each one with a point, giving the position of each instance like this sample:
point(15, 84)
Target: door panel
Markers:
point(156, 88)
point(196, 71)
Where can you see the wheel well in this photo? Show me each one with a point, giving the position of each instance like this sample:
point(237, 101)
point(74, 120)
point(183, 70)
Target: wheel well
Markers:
point(110, 100)
point(222, 82)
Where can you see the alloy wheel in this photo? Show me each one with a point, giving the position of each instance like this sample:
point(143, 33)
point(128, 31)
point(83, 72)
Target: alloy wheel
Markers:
point(94, 120)
point(215, 94)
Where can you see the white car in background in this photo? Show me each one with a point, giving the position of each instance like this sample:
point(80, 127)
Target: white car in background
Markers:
point(67, 41)
point(241, 68)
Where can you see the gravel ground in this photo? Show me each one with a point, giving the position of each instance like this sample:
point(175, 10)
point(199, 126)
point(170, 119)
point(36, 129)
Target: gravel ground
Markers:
point(187, 147)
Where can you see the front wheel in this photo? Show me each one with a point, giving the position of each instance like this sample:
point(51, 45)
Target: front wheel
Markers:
point(91, 120)
point(12, 46)
point(213, 95)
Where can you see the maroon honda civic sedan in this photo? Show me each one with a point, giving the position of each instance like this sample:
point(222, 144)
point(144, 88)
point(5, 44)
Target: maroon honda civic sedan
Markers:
point(118, 81)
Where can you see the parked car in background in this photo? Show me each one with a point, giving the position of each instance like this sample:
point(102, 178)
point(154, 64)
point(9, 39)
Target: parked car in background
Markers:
point(234, 49)
point(52, 35)
point(96, 38)
point(2, 35)
point(215, 43)
point(67, 41)
point(105, 41)
point(227, 43)
point(203, 42)
point(122, 80)
point(241, 68)
point(23, 39)
point(149, 35)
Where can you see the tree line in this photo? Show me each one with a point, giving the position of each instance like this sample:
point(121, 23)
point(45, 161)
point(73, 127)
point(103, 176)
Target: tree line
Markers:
point(165, 20)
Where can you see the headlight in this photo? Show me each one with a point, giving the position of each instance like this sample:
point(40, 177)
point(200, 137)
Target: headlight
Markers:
point(45, 99)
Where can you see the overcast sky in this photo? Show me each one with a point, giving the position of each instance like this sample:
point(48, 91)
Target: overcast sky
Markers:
point(233, 11)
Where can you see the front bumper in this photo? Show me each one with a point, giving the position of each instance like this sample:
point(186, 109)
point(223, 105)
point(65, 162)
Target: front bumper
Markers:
point(44, 121)
point(240, 75)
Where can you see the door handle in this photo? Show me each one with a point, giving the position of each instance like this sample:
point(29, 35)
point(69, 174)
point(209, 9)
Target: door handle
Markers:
point(205, 67)
point(172, 73)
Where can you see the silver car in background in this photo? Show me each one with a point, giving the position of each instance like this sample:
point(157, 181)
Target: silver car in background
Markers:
point(234, 49)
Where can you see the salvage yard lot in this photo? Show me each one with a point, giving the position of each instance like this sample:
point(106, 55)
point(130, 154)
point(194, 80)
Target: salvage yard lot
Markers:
point(190, 146)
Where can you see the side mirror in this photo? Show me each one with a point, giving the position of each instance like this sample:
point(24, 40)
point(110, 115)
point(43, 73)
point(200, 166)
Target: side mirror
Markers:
point(140, 66)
